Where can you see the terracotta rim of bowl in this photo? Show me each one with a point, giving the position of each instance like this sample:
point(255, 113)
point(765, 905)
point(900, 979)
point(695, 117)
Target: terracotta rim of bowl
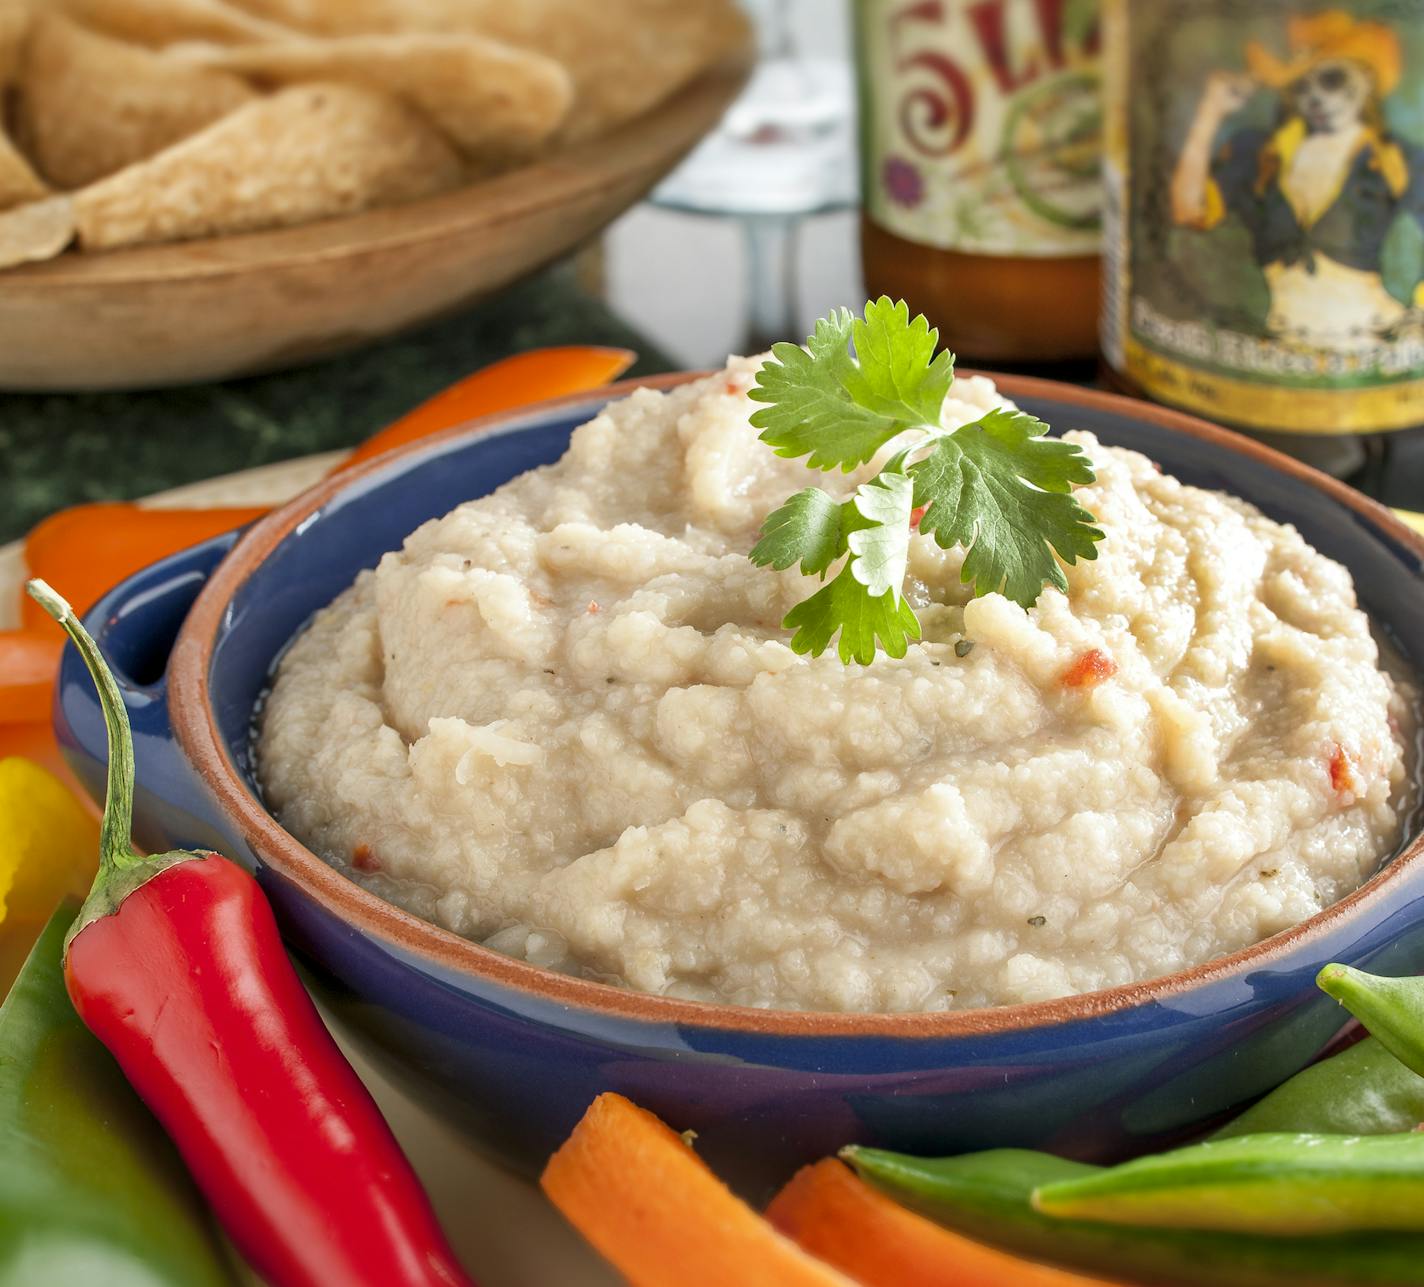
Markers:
point(197, 733)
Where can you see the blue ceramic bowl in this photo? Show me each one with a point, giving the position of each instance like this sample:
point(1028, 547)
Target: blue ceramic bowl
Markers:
point(515, 1053)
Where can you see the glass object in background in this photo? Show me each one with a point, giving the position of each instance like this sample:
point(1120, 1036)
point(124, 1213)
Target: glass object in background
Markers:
point(980, 145)
point(1265, 191)
point(785, 150)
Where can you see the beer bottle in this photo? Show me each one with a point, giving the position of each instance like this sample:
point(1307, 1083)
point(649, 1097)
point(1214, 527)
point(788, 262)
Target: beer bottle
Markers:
point(1264, 204)
point(980, 152)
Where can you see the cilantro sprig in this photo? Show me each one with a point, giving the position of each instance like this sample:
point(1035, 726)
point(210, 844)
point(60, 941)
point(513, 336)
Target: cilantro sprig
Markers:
point(997, 486)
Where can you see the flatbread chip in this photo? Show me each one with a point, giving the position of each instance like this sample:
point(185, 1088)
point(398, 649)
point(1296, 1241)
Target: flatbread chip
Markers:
point(497, 104)
point(356, 17)
point(14, 27)
point(19, 183)
point(156, 23)
point(304, 153)
point(40, 230)
point(87, 106)
point(625, 56)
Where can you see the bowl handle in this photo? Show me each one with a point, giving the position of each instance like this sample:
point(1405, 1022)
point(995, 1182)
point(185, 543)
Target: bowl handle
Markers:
point(135, 625)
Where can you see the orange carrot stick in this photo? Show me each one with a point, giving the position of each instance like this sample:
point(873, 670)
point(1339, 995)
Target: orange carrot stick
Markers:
point(88, 549)
point(652, 1207)
point(29, 661)
point(834, 1215)
point(513, 382)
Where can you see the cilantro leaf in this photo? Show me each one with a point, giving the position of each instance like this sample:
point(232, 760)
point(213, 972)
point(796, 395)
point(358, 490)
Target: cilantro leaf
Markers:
point(882, 547)
point(1049, 463)
point(822, 404)
point(898, 371)
point(997, 487)
point(1001, 490)
point(862, 619)
point(806, 529)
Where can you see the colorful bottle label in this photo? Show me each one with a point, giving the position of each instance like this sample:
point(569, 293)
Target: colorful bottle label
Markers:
point(1264, 209)
point(981, 123)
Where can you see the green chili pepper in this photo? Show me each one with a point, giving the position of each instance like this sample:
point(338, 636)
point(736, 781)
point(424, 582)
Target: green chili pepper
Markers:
point(987, 1196)
point(1363, 1090)
point(1282, 1183)
point(1392, 1009)
point(91, 1190)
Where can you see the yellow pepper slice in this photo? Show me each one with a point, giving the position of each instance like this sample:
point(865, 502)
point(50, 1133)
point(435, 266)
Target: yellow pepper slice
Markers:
point(49, 845)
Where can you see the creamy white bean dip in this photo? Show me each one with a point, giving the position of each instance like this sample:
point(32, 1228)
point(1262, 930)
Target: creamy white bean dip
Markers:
point(564, 720)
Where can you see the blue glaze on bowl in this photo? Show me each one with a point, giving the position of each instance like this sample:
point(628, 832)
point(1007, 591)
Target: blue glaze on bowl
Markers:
point(518, 1067)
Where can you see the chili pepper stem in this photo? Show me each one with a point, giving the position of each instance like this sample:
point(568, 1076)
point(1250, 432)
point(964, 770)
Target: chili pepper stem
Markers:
point(122, 868)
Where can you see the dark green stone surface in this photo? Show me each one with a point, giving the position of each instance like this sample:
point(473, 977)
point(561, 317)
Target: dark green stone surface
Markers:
point(60, 449)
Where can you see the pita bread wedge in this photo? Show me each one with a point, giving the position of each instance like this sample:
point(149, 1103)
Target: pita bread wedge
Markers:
point(156, 23)
point(87, 105)
point(14, 28)
point(355, 17)
point(497, 104)
point(305, 153)
point(625, 56)
point(40, 230)
point(18, 182)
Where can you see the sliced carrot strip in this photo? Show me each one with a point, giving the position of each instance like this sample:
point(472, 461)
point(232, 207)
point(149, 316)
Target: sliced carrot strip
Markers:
point(654, 1209)
point(837, 1216)
point(29, 662)
point(513, 382)
point(86, 550)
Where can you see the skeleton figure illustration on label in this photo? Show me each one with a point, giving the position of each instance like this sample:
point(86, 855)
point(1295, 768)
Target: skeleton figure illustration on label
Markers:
point(1265, 210)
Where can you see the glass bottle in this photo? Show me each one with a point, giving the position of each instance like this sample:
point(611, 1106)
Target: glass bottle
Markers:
point(1264, 212)
point(980, 145)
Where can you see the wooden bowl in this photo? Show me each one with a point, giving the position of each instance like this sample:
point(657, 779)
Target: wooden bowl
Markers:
point(206, 310)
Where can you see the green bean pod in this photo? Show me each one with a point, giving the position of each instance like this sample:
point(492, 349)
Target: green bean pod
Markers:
point(987, 1196)
point(1392, 1009)
point(1285, 1183)
point(1363, 1090)
point(91, 1189)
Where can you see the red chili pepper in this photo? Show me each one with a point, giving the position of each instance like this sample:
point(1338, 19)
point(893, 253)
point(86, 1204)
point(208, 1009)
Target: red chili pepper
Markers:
point(175, 964)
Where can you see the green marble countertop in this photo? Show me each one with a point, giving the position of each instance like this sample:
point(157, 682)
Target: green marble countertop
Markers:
point(61, 449)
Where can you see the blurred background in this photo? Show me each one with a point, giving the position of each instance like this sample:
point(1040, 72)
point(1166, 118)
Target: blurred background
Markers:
point(692, 279)
point(146, 347)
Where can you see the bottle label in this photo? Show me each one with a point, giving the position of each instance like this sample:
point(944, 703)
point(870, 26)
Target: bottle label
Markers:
point(981, 123)
point(1264, 209)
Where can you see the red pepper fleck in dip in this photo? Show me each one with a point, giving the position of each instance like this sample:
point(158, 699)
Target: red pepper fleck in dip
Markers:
point(1089, 669)
point(364, 860)
point(1342, 772)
